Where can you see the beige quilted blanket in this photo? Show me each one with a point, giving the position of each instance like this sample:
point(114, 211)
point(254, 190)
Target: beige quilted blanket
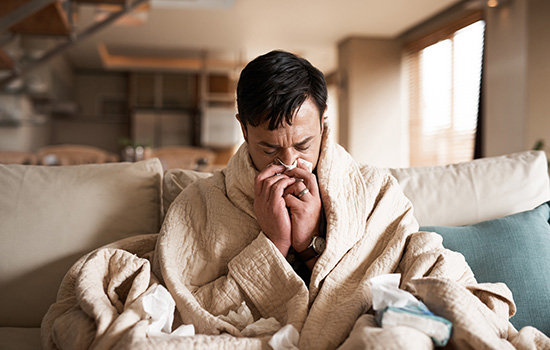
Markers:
point(212, 257)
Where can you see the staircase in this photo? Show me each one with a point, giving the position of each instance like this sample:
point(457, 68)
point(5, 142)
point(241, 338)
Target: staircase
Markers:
point(47, 18)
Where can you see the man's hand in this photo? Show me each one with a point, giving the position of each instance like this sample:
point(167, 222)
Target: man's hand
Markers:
point(305, 212)
point(270, 207)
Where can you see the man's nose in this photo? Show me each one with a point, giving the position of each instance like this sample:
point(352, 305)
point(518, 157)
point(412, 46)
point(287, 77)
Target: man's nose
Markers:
point(288, 156)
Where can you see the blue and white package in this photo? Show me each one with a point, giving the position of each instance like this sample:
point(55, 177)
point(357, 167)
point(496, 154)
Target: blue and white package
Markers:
point(397, 307)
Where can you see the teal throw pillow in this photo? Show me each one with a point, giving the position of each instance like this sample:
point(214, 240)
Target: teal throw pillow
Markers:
point(515, 250)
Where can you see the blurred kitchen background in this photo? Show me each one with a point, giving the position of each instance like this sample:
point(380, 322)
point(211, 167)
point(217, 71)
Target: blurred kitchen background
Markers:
point(411, 82)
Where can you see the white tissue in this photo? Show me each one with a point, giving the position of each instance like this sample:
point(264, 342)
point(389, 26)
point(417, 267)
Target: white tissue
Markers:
point(185, 330)
point(285, 339)
point(308, 165)
point(160, 306)
point(386, 292)
point(244, 321)
point(240, 318)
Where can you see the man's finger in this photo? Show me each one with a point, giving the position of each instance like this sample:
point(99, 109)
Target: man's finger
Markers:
point(279, 187)
point(267, 184)
point(268, 172)
point(309, 178)
point(296, 187)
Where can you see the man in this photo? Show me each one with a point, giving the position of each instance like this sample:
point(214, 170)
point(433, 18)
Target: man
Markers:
point(242, 253)
point(250, 234)
point(285, 127)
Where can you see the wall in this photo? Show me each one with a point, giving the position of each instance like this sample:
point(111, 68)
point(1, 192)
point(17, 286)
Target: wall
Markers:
point(538, 73)
point(516, 92)
point(517, 76)
point(505, 104)
point(26, 138)
point(372, 102)
point(371, 123)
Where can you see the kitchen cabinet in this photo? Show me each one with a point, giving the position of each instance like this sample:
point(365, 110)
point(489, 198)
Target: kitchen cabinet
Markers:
point(163, 90)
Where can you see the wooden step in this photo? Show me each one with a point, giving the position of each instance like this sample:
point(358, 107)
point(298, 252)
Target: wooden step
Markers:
point(50, 20)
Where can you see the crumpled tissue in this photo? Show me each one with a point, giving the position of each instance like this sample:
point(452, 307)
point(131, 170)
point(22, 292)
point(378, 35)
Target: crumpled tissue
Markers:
point(243, 320)
point(160, 306)
point(240, 318)
point(308, 165)
point(285, 339)
point(397, 307)
point(386, 292)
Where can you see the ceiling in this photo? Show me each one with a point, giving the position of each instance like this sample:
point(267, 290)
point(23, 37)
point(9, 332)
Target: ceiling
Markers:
point(247, 28)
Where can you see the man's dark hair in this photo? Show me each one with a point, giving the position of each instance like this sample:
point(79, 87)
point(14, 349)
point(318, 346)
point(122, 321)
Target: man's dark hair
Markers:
point(273, 86)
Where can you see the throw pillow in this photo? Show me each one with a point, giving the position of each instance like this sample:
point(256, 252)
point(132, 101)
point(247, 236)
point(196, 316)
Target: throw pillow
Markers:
point(492, 187)
point(514, 250)
point(175, 181)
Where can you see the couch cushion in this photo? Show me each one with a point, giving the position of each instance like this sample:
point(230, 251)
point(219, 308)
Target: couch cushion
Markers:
point(513, 250)
point(483, 189)
point(50, 216)
point(175, 180)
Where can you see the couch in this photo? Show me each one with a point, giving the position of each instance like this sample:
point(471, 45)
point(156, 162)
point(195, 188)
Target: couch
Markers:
point(493, 210)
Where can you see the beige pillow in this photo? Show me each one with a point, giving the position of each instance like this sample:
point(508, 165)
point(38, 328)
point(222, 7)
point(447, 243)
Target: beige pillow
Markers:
point(175, 180)
point(50, 216)
point(483, 189)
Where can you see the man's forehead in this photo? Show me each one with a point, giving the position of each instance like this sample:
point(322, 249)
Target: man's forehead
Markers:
point(300, 128)
point(274, 142)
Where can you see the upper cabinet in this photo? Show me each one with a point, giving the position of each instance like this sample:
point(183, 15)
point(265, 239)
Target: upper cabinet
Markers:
point(219, 90)
point(163, 91)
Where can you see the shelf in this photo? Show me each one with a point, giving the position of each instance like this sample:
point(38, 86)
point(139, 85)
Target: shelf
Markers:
point(50, 20)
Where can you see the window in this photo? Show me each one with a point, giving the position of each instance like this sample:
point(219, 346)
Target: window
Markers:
point(444, 79)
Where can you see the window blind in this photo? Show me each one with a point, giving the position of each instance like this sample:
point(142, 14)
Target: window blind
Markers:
point(444, 80)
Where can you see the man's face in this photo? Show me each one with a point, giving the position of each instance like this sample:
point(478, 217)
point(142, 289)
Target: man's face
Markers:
point(301, 140)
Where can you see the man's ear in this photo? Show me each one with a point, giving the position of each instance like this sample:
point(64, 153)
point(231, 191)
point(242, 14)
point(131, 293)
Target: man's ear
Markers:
point(325, 118)
point(243, 128)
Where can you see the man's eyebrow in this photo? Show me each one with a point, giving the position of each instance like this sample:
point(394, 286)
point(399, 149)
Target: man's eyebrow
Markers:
point(268, 145)
point(305, 141)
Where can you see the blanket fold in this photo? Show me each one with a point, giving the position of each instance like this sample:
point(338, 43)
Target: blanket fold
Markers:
point(212, 257)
